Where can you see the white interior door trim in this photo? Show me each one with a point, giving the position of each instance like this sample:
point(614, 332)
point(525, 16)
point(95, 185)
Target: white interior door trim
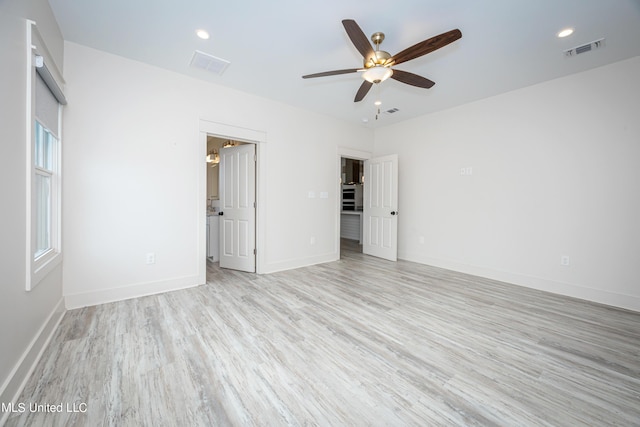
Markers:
point(353, 154)
point(223, 130)
point(238, 133)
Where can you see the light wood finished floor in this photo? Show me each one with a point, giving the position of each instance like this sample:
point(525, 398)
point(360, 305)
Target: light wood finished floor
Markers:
point(356, 342)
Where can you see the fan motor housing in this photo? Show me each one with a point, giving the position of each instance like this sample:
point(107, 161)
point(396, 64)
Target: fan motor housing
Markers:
point(380, 57)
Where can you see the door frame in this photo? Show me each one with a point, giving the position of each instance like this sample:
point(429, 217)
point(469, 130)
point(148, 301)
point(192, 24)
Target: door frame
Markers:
point(236, 133)
point(349, 153)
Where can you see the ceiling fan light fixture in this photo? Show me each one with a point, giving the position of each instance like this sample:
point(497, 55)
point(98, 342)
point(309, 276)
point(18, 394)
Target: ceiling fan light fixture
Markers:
point(377, 63)
point(377, 74)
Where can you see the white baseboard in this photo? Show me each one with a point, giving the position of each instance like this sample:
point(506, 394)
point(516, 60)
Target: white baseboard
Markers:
point(103, 296)
point(299, 262)
point(18, 377)
point(628, 302)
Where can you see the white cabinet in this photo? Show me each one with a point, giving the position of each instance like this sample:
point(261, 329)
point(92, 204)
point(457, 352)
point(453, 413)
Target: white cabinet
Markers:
point(213, 227)
point(351, 225)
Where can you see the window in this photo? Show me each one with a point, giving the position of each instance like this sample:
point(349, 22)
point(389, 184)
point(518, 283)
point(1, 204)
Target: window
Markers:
point(44, 99)
point(45, 150)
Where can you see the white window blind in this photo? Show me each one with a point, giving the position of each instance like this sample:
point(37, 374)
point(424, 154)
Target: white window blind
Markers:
point(46, 106)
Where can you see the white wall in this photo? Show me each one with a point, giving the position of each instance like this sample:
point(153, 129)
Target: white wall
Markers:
point(554, 173)
point(132, 160)
point(27, 318)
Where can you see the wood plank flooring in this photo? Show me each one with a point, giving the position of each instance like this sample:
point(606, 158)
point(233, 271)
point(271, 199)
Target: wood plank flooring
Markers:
point(357, 342)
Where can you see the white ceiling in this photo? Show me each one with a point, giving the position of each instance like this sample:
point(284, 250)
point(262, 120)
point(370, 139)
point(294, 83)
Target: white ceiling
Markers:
point(505, 45)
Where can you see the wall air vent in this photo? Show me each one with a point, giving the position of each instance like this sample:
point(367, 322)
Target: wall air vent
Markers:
point(596, 44)
point(209, 62)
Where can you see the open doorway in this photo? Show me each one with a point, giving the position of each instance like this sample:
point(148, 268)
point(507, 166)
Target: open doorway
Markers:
point(258, 139)
point(351, 204)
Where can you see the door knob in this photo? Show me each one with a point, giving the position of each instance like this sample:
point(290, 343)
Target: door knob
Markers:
point(394, 213)
point(220, 213)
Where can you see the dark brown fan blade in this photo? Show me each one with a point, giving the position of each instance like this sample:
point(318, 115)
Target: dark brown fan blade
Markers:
point(362, 92)
point(412, 79)
point(426, 46)
point(359, 40)
point(330, 73)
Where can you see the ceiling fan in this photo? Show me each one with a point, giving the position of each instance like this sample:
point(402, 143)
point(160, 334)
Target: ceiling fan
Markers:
point(378, 63)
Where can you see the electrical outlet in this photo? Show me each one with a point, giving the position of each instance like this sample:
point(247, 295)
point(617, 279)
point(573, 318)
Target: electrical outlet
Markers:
point(151, 258)
point(421, 240)
point(564, 260)
point(312, 241)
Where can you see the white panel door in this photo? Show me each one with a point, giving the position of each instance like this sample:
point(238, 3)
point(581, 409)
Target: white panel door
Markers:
point(380, 210)
point(237, 208)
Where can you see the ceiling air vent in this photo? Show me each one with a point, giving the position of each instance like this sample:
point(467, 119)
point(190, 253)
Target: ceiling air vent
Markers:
point(209, 62)
point(596, 44)
point(391, 111)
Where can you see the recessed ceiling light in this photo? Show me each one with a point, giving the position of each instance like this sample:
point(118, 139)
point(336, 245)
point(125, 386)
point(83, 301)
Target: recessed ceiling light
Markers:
point(202, 34)
point(565, 33)
point(365, 120)
point(377, 103)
